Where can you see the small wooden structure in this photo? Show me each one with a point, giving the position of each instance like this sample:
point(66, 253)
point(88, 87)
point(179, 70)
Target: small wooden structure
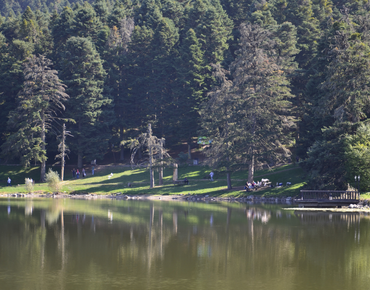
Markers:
point(328, 198)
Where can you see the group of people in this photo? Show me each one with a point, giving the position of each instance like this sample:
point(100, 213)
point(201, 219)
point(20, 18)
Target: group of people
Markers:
point(77, 173)
point(253, 185)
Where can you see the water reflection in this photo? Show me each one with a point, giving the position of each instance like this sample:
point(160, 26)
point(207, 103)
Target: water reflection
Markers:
point(147, 245)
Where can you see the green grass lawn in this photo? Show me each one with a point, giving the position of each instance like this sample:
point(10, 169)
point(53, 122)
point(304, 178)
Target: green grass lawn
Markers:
point(115, 179)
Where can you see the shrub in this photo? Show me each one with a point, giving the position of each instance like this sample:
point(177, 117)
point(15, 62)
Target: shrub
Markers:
point(183, 157)
point(53, 181)
point(28, 182)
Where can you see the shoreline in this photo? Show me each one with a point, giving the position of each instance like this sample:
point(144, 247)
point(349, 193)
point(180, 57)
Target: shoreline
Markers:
point(180, 197)
point(363, 207)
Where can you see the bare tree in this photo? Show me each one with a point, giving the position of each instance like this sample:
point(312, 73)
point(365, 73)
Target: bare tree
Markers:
point(63, 149)
point(155, 150)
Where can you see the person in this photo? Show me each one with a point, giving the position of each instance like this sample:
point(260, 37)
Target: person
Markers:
point(83, 172)
point(77, 174)
point(186, 180)
point(9, 181)
point(74, 173)
point(92, 170)
point(211, 175)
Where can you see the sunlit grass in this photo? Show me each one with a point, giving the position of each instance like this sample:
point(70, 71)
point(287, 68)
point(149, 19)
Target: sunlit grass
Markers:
point(115, 179)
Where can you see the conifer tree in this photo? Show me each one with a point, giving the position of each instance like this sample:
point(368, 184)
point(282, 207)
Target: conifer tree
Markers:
point(40, 101)
point(264, 98)
point(220, 127)
point(117, 68)
point(191, 86)
point(101, 10)
point(83, 73)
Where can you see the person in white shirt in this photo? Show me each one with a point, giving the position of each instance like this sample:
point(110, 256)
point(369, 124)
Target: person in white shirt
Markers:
point(211, 175)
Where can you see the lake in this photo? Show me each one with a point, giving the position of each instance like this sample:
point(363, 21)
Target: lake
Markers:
point(117, 244)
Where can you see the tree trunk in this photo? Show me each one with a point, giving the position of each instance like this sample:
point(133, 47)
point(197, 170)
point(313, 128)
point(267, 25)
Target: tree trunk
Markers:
point(150, 156)
point(150, 167)
point(189, 150)
point(161, 168)
point(228, 177)
point(79, 150)
point(43, 160)
point(251, 164)
point(251, 170)
point(122, 155)
point(63, 152)
point(175, 172)
point(114, 156)
point(79, 160)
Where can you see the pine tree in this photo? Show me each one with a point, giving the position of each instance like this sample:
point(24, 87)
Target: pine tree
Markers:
point(101, 10)
point(86, 22)
point(262, 89)
point(63, 28)
point(191, 87)
point(83, 73)
point(117, 68)
point(219, 127)
point(40, 101)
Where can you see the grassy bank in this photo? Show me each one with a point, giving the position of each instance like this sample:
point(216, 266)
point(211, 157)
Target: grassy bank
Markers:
point(115, 179)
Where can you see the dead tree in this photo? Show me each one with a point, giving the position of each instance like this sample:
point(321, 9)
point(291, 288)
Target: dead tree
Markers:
point(155, 150)
point(63, 149)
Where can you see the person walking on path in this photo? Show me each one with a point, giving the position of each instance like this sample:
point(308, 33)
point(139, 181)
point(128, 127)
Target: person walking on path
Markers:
point(211, 175)
point(9, 182)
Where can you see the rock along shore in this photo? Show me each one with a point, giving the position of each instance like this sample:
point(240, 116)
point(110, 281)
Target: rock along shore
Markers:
point(186, 197)
point(363, 206)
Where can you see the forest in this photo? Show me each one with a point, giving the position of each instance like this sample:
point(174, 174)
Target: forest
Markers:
point(262, 82)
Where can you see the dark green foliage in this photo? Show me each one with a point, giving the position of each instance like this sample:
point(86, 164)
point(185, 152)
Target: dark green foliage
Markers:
point(128, 63)
point(326, 162)
point(39, 103)
point(357, 156)
point(82, 71)
point(248, 119)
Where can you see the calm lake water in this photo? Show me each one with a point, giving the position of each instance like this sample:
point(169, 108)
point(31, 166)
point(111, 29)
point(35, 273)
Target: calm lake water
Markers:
point(110, 244)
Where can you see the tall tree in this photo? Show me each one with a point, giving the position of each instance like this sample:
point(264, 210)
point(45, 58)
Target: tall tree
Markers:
point(83, 72)
point(116, 83)
point(264, 98)
point(40, 101)
point(218, 125)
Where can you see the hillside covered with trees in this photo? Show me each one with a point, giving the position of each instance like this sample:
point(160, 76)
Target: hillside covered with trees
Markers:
point(264, 81)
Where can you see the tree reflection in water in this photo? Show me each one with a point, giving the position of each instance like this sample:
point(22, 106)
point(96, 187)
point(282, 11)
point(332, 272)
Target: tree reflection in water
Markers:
point(176, 245)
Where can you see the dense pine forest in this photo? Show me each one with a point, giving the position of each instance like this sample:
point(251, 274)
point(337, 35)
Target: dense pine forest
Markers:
point(263, 82)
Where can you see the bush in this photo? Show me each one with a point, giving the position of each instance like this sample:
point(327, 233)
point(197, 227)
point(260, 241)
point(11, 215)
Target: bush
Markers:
point(53, 181)
point(183, 157)
point(28, 182)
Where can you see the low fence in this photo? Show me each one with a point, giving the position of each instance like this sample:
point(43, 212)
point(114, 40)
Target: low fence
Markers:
point(329, 195)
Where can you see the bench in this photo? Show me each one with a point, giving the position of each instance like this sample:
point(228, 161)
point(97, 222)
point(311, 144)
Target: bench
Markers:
point(180, 182)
